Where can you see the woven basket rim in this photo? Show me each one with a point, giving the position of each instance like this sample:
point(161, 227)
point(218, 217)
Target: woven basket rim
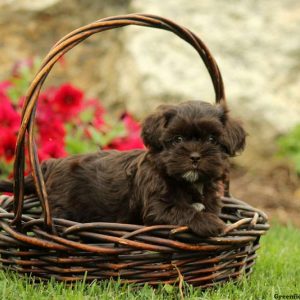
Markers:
point(131, 253)
point(256, 224)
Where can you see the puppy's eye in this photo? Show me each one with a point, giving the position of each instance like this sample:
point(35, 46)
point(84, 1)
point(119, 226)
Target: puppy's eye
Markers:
point(177, 140)
point(211, 139)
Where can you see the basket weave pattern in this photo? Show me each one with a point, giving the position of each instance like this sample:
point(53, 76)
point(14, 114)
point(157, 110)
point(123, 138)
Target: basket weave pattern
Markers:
point(69, 251)
point(133, 253)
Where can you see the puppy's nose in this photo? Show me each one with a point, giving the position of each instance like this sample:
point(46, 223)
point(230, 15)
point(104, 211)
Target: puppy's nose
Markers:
point(195, 156)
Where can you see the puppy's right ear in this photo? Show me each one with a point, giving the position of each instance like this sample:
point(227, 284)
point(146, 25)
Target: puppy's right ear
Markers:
point(154, 125)
point(234, 138)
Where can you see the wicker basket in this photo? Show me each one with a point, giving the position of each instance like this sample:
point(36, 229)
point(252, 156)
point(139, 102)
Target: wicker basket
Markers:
point(69, 251)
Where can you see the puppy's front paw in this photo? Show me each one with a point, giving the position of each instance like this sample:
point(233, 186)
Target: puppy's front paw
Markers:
point(207, 224)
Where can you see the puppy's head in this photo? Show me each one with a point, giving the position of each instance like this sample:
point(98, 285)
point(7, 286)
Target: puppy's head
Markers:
point(192, 140)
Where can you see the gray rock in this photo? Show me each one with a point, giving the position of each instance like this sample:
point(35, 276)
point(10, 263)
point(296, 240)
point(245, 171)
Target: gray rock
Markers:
point(256, 44)
point(30, 5)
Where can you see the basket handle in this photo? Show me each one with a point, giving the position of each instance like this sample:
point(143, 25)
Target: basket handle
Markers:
point(60, 48)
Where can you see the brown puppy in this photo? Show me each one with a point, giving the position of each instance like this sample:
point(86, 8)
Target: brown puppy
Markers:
point(175, 181)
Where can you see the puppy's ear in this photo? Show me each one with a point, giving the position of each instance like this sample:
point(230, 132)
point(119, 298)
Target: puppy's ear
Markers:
point(234, 138)
point(154, 125)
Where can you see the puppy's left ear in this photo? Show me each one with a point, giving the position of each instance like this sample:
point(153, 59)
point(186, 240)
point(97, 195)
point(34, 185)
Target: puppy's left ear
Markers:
point(234, 138)
point(154, 126)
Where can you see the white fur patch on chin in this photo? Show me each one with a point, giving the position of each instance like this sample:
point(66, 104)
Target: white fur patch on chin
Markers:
point(191, 176)
point(198, 206)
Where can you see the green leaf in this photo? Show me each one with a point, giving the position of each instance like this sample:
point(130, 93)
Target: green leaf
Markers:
point(168, 288)
point(87, 115)
point(5, 169)
point(76, 141)
point(13, 94)
point(98, 137)
point(289, 146)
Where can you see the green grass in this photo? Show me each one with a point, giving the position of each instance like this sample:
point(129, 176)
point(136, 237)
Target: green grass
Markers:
point(277, 272)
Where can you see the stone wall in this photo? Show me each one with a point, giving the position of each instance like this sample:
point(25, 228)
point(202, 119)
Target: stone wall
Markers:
point(256, 44)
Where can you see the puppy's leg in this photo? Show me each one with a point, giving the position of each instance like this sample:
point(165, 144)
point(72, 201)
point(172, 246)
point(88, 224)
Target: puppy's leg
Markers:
point(210, 210)
point(29, 187)
point(212, 197)
point(200, 222)
point(6, 186)
point(207, 224)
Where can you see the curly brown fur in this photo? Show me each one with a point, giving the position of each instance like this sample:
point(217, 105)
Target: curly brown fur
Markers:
point(175, 181)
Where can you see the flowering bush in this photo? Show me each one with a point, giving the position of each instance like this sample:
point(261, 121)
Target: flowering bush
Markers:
point(66, 121)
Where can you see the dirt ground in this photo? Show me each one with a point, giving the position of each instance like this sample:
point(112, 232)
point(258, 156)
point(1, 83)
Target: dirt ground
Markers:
point(275, 190)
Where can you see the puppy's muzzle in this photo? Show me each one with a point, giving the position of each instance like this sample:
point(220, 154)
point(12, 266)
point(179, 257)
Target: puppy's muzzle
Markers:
point(195, 157)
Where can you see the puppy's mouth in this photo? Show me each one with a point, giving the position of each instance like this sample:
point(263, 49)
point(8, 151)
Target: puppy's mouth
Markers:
point(191, 176)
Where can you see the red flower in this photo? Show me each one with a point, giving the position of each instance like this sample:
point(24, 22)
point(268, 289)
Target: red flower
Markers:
point(45, 113)
point(49, 124)
point(9, 118)
point(132, 126)
point(52, 131)
point(99, 111)
point(4, 85)
point(123, 144)
point(67, 101)
point(51, 149)
point(132, 140)
point(7, 144)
